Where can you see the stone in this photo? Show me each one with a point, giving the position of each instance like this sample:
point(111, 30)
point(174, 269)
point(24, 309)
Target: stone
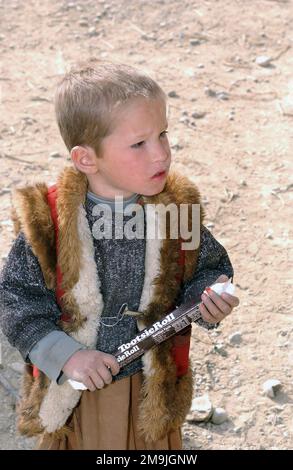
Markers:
point(222, 95)
point(235, 338)
point(5, 191)
point(271, 386)
point(83, 23)
point(198, 114)
point(269, 234)
point(201, 409)
point(55, 155)
point(173, 94)
point(263, 60)
point(219, 416)
point(92, 32)
point(219, 348)
point(195, 42)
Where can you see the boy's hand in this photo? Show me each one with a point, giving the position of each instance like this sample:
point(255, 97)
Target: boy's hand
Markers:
point(215, 307)
point(92, 368)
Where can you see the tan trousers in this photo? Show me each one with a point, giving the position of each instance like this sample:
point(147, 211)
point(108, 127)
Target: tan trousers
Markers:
point(106, 420)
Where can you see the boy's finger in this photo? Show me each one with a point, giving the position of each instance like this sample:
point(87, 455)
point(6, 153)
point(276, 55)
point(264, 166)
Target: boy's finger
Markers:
point(97, 380)
point(206, 314)
point(222, 278)
point(89, 384)
point(212, 308)
point(230, 299)
point(223, 306)
point(105, 374)
point(113, 364)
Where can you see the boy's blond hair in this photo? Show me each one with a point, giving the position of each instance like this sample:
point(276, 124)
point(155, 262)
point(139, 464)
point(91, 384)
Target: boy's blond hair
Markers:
point(88, 98)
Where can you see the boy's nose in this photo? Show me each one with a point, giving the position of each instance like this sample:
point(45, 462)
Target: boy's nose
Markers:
point(161, 153)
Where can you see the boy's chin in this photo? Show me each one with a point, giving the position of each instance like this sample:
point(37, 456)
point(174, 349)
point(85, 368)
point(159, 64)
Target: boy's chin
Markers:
point(154, 192)
point(156, 188)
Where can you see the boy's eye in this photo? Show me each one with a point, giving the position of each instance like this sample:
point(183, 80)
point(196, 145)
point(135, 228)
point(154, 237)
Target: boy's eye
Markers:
point(139, 144)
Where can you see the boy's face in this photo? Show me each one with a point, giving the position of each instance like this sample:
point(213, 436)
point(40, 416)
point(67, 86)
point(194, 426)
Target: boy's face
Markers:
point(135, 152)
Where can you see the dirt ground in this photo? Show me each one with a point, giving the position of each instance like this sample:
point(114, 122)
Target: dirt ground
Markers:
point(230, 128)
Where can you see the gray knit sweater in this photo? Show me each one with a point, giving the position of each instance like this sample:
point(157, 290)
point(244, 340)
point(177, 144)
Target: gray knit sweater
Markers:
point(29, 312)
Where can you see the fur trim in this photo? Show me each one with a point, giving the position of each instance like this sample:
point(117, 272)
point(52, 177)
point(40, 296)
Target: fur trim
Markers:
point(60, 400)
point(32, 393)
point(165, 400)
point(72, 187)
point(30, 213)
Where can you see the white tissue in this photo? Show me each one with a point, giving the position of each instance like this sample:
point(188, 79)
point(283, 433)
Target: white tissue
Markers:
point(223, 287)
point(77, 385)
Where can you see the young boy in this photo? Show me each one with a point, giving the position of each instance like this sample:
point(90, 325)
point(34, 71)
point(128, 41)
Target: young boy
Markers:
point(64, 290)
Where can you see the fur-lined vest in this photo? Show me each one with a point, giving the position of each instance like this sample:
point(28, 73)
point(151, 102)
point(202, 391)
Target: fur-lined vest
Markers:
point(165, 398)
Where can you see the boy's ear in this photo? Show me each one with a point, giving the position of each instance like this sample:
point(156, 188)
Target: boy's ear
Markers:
point(84, 159)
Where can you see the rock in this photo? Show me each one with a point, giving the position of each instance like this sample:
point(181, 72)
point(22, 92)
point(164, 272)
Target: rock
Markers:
point(222, 95)
point(92, 32)
point(83, 23)
point(269, 234)
point(173, 94)
point(219, 348)
point(271, 386)
point(55, 155)
point(201, 409)
point(195, 42)
point(263, 60)
point(5, 191)
point(40, 98)
point(175, 144)
point(209, 92)
point(29, 120)
point(238, 429)
point(219, 416)
point(198, 114)
point(184, 119)
point(235, 338)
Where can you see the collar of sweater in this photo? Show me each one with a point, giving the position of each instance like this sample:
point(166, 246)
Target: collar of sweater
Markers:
point(117, 205)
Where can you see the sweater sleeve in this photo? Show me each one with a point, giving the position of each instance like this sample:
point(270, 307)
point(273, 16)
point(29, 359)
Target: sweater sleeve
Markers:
point(51, 353)
point(28, 310)
point(213, 261)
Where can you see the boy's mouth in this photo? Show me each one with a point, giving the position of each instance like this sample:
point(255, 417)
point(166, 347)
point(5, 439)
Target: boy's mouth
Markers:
point(159, 174)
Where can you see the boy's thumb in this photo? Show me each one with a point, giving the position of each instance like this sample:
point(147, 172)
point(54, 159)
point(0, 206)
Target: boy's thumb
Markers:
point(222, 278)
